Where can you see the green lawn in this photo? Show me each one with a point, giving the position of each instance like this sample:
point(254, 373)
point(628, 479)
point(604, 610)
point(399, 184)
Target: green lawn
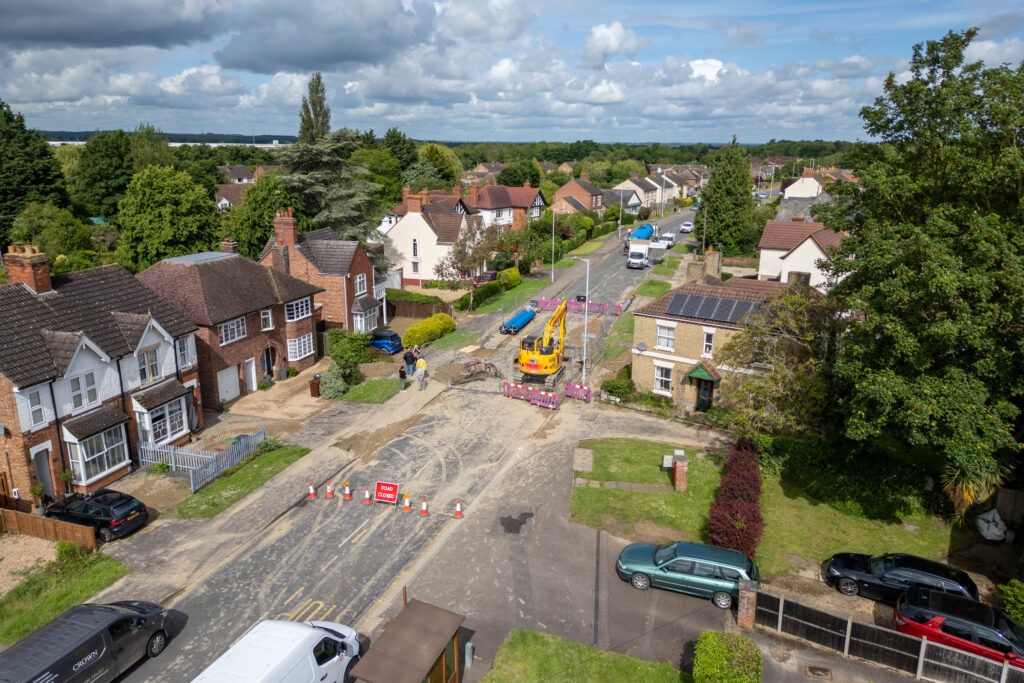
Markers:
point(560, 263)
point(50, 591)
point(588, 247)
point(236, 484)
point(620, 337)
point(528, 656)
point(799, 531)
point(653, 288)
point(514, 299)
point(668, 267)
point(374, 390)
point(681, 248)
point(455, 340)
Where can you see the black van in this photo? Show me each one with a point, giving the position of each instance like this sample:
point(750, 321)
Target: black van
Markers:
point(87, 643)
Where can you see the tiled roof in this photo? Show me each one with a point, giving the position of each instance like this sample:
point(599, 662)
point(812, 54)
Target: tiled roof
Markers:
point(95, 421)
point(501, 197)
point(324, 248)
point(827, 239)
point(443, 219)
point(785, 235)
point(214, 287)
point(589, 187)
point(40, 332)
point(732, 290)
point(159, 394)
point(791, 208)
point(232, 192)
point(576, 204)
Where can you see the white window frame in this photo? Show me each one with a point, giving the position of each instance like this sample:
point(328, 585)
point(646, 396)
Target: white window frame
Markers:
point(415, 248)
point(665, 335)
point(360, 284)
point(167, 422)
point(231, 331)
point(149, 365)
point(266, 319)
point(415, 267)
point(109, 449)
point(662, 380)
point(708, 346)
point(37, 414)
point(184, 357)
point(297, 310)
point(365, 322)
point(300, 347)
point(86, 395)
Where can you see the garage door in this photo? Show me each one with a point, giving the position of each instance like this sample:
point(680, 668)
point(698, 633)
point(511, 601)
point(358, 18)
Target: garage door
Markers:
point(227, 384)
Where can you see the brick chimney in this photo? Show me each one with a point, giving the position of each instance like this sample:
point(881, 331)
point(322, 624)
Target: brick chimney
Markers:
point(285, 228)
point(414, 203)
point(526, 183)
point(405, 193)
point(474, 195)
point(457, 192)
point(808, 173)
point(229, 246)
point(29, 266)
point(584, 175)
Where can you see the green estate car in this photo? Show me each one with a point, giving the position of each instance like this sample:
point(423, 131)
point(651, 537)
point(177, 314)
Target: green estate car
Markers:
point(706, 571)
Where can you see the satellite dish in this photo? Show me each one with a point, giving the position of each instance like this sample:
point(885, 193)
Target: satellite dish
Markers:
point(641, 347)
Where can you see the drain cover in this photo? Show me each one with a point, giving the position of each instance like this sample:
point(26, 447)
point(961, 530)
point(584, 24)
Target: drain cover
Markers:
point(819, 673)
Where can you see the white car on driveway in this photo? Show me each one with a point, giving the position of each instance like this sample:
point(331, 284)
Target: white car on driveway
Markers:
point(686, 227)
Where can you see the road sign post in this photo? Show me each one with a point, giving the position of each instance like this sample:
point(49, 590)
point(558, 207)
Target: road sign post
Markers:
point(386, 492)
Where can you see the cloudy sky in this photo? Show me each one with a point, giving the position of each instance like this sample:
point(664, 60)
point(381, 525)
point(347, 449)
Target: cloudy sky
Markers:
point(459, 70)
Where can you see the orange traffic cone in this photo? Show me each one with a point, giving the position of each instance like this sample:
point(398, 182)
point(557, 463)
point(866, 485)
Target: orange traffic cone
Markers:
point(348, 492)
point(366, 496)
point(407, 505)
point(312, 491)
point(423, 508)
point(330, 490)
point(458, 509)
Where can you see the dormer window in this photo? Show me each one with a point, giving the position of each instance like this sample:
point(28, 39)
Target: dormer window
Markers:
point(149, 365)
point(83, 391)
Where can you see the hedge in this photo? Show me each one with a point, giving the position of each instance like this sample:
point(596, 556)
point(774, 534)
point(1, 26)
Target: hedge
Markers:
point(426, 331)
point(735, 519)
point(412, 297)
point(720, 657)
point(480, 295)
point(509, 278)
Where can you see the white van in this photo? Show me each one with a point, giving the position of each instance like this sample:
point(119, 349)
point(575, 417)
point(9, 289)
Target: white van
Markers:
point(288, 652)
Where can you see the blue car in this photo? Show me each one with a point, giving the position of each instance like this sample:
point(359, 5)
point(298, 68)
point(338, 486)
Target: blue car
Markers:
point(386, 340)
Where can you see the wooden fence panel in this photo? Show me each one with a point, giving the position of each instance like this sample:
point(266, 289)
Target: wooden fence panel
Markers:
point(19, 504)
point(51, 529)
point(766, 613)
point(814, 625)
point(408, 309)
point(956, 666)
point(884, 646)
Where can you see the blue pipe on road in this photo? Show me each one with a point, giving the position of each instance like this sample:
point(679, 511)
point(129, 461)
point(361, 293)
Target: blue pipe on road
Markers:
point(518, 321)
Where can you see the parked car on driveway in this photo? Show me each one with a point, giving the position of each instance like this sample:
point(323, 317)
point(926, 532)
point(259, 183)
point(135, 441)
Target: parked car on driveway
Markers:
point(885, 577)
point(962, 623)
point(485, 277)
point(386, 340)
point(706, 571)
point(113, 514)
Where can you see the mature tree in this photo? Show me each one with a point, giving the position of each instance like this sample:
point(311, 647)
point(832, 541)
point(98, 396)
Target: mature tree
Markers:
point(444, 160)
point(59, 234)
point(626, 169)
point(29, 172)
point(727, 206)
point(519, 172)
point(315, 117)
point(383, 170)
point(330, 189)
point(69, 157)
point(933, 361)
point(150, 148)
point(422, 175)
point(468, 254)
point(104, 172)
point(251, 223)
point(164, 213)
point(200, 162)
point(401, 147)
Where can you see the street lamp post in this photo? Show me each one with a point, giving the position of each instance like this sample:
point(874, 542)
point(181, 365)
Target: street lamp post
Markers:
point(662, 173)
point(552, 244)
point(586, 317)
point(618, 230)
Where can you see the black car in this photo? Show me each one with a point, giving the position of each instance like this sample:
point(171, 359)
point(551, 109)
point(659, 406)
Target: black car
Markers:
point(885, 577)
point(113, 514)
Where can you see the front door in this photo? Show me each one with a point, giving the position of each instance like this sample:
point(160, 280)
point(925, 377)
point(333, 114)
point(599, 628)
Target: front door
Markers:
point(267, 362)
point(41, 459)
point(705, 392)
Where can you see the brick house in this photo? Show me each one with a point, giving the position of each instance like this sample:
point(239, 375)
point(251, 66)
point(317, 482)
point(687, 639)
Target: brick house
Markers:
point(508, 208)
point(350, 298)
point(577, 193)
point(644, 188)
point(253, 322)
point(676, 336)
point(91, 364)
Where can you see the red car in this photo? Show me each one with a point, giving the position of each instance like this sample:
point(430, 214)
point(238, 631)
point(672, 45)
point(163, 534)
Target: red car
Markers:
point(960, 623)
point(485, 277)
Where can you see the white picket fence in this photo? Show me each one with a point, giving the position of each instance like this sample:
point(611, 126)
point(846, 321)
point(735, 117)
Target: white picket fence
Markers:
point(202, 466)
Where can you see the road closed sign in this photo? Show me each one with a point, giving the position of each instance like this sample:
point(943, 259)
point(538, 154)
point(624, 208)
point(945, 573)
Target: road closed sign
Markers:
point(386, 492)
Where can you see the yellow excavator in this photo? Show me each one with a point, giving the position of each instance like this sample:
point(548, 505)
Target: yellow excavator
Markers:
point(541, 359)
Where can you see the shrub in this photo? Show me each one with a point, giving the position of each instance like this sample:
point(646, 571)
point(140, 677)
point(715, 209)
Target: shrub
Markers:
point(1013, 599)
point(292, 371)
point(735, 523)
point(621, 388)
point(425, 331)
point(160, 468)
point(509, 278)
point(332, 382)
point(348, 349)
point(480, 295)
point(69, 552)
point(263, 385)
point(412, 297)
point(726, 658)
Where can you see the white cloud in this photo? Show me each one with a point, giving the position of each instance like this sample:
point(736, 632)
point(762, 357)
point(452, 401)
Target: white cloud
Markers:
point(608, 40)
point(708, 69)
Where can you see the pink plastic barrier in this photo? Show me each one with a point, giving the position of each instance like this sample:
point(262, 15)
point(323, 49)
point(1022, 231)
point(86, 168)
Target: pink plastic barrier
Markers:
point(577, 391)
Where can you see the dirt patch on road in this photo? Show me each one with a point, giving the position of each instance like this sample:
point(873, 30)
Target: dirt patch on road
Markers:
point(366, 443)
point(19, 555)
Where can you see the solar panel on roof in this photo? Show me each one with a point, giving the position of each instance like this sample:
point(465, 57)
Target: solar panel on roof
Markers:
point(708, 307)
point(692, 305)
point(675, 306)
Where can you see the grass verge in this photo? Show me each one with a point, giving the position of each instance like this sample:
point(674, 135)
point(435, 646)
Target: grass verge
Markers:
point(238, 482)
point(514, 299)
point(455, 340)
point(373, 390)
point(50, 591)
point(653, 288)
point(681, 248)
point(587, 248)
point(668, 266)
point(620, 337)
point(533, 656)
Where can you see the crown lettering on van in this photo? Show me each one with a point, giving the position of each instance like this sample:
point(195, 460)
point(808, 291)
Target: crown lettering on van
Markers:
point(82, 663)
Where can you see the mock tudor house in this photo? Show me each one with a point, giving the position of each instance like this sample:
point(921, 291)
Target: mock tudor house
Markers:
point(91, 364)
point(351, 298)
point(792, 251)
point(254, 322)
point(507, 208)
point(677, 335)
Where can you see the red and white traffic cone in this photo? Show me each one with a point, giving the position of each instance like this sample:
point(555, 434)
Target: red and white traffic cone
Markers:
point(312, 491)
point(348, 492)
point(458, 509)
point(366, 496)
point(330, 491)
point(423, 508)
point(407, 504)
